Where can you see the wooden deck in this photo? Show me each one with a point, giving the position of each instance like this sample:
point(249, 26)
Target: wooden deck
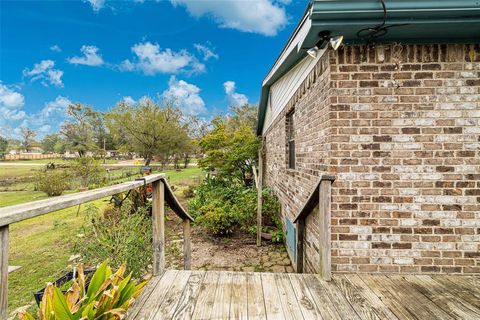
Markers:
point(237, 295)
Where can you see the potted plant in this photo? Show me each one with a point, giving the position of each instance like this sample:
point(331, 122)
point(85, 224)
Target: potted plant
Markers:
point(108, 296)
point(65, 282)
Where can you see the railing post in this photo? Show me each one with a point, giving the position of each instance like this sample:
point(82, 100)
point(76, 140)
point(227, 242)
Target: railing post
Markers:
point(300, 244)
point(158, 220)
point(3, 272)
point(260, 195)
point(324, 206)
point(187, 245)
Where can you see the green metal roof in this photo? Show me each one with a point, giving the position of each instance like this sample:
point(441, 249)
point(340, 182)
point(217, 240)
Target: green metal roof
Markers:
point(421, 21)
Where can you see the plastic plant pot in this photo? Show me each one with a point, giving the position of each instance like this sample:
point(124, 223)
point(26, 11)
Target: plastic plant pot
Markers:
point(63, 280)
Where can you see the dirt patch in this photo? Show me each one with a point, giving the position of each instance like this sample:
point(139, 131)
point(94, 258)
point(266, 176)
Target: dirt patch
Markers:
point(236, 253)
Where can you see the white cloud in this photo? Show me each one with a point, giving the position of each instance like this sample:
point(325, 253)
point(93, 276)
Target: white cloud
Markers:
point(129, 100)
point(45, 121)
point(236, 99)
point(57, 106)
point(206, 51)
point(11, 103)
point(186, 95)
point(55, 48)
point(8, 114)
point(49, 119)
point(9, 98)
point(257, 16)
point(90, 57)
point(45, 72)
point(39, 68)
point(54, 77)
point(150, 60)
point(97, 5)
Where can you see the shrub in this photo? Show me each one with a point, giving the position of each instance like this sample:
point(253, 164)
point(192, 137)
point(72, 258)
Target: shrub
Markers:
point(217, 219)
point(52, 182)
point(189, 192)
point(271, 208)
point(221, 207)
point(277, 236)
point(90, 171)
point(118, 235)
point(108, 296)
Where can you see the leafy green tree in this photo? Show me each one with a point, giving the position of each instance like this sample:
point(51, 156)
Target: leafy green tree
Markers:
point(28, 138)
point(230, 151)
point(79, 131)
point(60, 146)
point(90, 171)
point(49, 142)
point(148, 129)
point(3, 147)
point(243, 115)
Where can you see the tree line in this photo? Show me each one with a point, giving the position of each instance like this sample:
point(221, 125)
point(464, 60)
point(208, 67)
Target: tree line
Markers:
point(152, 130)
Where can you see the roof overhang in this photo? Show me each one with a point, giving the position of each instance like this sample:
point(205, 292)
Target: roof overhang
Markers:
point(420, 21)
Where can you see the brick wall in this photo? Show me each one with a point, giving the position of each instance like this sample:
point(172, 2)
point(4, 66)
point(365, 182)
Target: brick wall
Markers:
point(311, 102)
point(400, 127)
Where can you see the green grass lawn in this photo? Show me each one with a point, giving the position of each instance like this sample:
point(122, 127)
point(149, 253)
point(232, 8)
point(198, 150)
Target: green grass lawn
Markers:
point(10, 172)
point(45, 161)
point(43, 245)
point(38, 161)
point(11, 198)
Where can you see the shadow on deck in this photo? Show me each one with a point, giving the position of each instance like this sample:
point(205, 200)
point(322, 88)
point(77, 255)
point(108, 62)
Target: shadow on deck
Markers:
point(238, 295)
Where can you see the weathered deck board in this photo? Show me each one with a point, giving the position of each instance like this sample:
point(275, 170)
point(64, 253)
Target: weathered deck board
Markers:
point(451, 304)
point(186, 305)
point(417, 299)
point(305, 299)
point(238, 301)
point(223, 294)
point(206, 297)
point(255, 298)
point(388, 298)
point(235, 295)
point(342, 305)
point(289, 301)
point(364, 305)
point(273, 307)
point(459, 289)
point(322, 300)
point(167, 308)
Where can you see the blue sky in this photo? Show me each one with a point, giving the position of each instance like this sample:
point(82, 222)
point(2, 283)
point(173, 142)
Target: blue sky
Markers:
point(206, 55)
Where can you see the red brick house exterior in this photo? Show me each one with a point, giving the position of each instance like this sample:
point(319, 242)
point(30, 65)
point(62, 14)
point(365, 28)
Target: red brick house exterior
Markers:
point(399, 127)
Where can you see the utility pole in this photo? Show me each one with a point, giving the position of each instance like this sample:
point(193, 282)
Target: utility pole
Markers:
point(104, 152)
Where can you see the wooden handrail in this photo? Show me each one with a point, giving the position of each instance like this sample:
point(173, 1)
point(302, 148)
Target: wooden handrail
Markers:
point(20, 212)
point(173, 203)
point(320, 195)
point(162, 193)
point(313, 198)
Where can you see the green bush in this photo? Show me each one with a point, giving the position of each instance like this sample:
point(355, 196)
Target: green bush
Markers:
point(217, 219)
point(118, 235)
point(90, 171)
point(221, 207)
point(52, 182)
point(189, 192)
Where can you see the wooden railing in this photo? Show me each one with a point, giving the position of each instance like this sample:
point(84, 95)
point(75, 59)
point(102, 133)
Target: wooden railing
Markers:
point(320, 195)
point(162, 193)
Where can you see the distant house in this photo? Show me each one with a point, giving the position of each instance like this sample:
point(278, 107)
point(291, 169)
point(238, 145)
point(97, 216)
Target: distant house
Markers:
point(393, 116)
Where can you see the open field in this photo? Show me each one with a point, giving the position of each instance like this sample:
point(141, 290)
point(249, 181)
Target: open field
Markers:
point(42, 246)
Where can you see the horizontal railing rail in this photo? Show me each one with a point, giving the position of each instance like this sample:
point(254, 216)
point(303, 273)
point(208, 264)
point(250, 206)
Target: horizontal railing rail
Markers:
point(162, 193)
